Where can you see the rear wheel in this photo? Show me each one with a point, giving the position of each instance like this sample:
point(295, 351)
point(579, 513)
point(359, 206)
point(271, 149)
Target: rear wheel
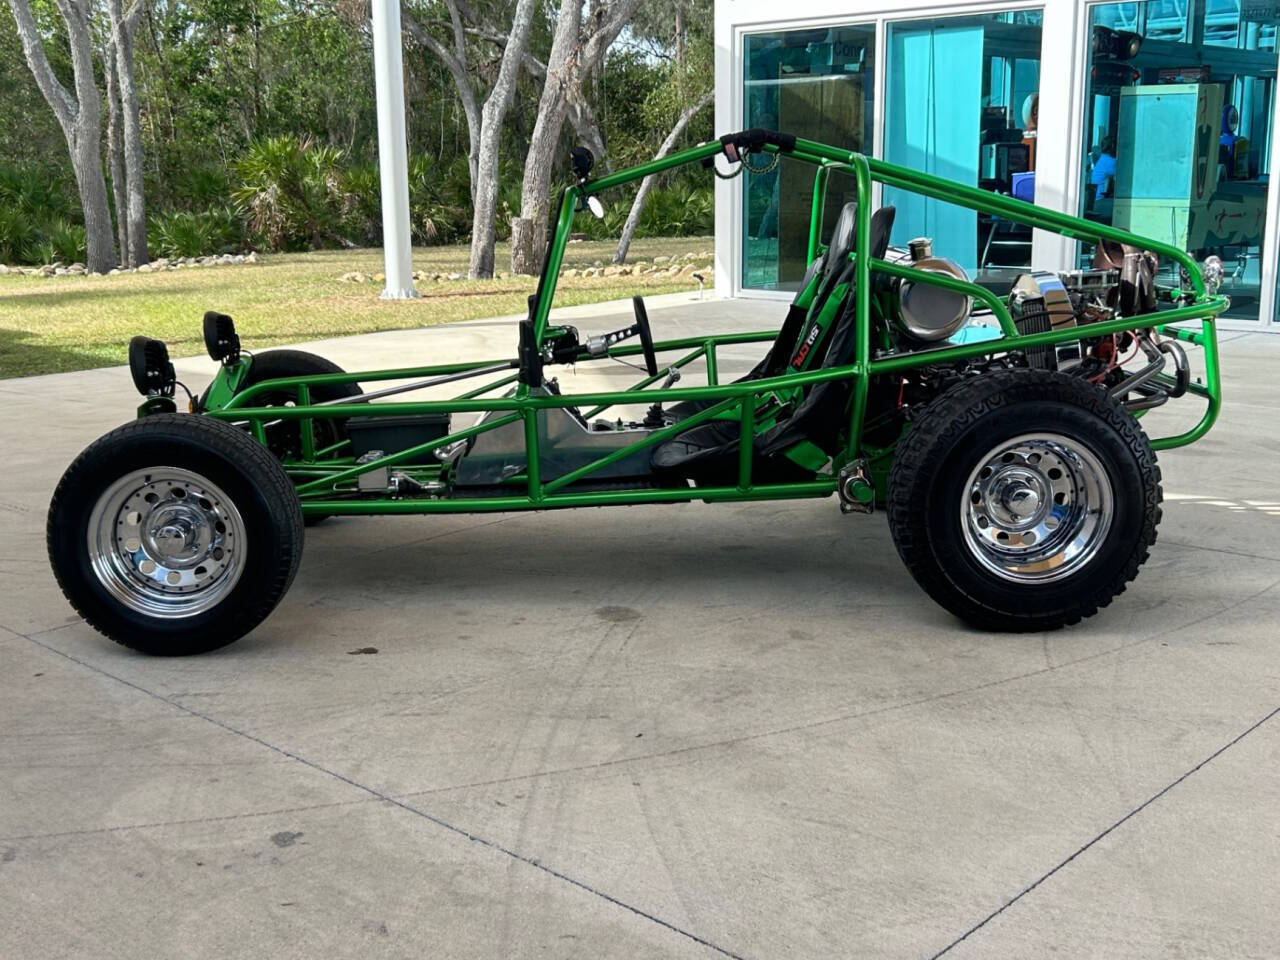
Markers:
point(174, 534)
point(284, 438)
point(1024, 500)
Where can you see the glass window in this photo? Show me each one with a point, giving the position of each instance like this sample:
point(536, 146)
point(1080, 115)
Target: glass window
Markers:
point(1178, 134)
point(962, 102)
point(817, 84)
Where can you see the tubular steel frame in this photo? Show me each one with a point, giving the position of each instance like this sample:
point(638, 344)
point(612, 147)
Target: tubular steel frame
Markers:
point(319, 473)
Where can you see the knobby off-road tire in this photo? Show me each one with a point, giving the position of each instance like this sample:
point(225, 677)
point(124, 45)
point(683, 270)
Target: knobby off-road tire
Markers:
point(1024, 500)
point(174, 534)
point(284, 439)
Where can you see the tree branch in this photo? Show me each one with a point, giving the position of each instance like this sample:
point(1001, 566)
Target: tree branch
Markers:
point(58, 97)
point(637, 206)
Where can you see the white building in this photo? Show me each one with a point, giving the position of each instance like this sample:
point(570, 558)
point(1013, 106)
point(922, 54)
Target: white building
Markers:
point(1156, 116)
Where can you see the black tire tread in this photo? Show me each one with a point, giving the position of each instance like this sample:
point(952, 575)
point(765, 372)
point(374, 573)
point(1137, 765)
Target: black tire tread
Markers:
point(284, 362)
point(942, 422)
point(238, 448)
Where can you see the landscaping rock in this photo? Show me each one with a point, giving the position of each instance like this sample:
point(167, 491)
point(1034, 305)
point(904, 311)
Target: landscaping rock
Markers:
point(658, 260)
point(455, 276)
point(354, 276)
point(251, 257)
point(571, 272)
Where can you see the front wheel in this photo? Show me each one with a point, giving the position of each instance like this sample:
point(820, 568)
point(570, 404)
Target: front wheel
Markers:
point(1024, 500)
point(174, 534)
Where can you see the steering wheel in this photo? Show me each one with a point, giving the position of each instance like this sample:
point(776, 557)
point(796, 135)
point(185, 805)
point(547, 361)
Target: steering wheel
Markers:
point(646, 336)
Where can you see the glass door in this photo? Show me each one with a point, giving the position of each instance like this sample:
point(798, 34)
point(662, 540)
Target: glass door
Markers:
point(813, 83)
point(962, 102)
point(1178, 132)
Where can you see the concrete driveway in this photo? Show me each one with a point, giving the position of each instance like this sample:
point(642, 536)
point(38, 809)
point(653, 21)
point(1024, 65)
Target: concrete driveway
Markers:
point(664, 731)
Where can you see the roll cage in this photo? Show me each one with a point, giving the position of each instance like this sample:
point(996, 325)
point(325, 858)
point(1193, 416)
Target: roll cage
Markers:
point(326, 477)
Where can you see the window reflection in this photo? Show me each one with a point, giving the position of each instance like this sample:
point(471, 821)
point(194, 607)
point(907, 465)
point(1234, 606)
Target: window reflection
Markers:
point(813, 83)
point(1178, 132)
point(962, 102)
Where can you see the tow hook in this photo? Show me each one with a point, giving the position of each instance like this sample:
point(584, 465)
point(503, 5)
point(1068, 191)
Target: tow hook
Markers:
point(857, 492)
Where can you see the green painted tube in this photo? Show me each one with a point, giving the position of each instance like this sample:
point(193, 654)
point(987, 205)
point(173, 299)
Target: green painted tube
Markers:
point(1196, 311)
point(1017, 210)
point(713, 372)
point(533, 456)
point(1212, 393)
point(815, 213)
point(555, 257)
point(333, 448)
point(862, 304)
point(669, 162)
point(306, 426)
point(1022, 212)
point(601, 498)
point(367, 376)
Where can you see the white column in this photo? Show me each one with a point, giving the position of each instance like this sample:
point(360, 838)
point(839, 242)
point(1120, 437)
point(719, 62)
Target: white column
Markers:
point(393, 154)
point(1064, 62)
point(728, 118)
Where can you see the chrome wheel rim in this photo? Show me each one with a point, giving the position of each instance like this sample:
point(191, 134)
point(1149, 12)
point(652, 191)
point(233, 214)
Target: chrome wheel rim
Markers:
point(166, 542)
point(1037, 508)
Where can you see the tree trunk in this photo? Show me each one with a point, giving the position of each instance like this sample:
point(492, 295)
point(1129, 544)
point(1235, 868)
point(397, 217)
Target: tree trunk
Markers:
point(455, 62)
point(485, 181)
point(86, 159)
point(122, 29)
point(585, 125)
point(637, 206)
point(115, 150)
point(80, 117)
point(570, 63)
point(528, 230)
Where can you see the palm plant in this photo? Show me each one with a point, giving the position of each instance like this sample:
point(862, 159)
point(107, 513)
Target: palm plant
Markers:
point(184, 234)
point(17, 236)
point(61, 241)
point(291, 192)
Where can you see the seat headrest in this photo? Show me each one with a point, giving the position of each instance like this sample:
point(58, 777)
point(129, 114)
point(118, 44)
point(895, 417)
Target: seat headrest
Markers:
point(881, 227)
point(843, 236)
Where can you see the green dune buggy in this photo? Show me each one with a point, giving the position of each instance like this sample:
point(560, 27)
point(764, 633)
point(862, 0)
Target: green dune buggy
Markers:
point(999, 434)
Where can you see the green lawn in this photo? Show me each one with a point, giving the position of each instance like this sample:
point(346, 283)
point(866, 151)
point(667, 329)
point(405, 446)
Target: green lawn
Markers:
point(53, 324)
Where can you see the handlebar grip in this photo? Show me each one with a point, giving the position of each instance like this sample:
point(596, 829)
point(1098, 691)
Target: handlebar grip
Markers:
point(754, 140)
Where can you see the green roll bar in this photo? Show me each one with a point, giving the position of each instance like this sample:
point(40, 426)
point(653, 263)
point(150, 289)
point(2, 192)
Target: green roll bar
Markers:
point(322, 473)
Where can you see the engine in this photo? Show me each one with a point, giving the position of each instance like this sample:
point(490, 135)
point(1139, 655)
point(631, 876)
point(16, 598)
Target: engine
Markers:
point(1120, 282)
